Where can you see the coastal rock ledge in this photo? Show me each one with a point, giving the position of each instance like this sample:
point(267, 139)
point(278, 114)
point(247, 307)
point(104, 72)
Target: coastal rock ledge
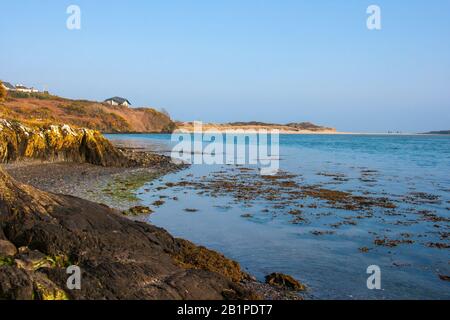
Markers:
point(57, 143)
point(43, 233)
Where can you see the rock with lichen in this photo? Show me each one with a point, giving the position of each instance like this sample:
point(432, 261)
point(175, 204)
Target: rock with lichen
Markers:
point(7, 249)
point(57, 143)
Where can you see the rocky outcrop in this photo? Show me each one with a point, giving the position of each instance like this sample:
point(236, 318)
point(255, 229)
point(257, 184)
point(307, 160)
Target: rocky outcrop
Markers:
point(43, 233)
point(57, 143)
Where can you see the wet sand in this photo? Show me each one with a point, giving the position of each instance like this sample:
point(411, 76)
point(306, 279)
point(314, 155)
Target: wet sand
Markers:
point(80, 180)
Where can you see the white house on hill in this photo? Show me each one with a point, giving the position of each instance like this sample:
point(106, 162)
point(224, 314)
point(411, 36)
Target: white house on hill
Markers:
point(8, 86)
point(19, 88)
point(118, 101)
point(22, 88)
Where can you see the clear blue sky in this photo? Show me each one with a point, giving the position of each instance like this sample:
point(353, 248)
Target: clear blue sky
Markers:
point(277, 61)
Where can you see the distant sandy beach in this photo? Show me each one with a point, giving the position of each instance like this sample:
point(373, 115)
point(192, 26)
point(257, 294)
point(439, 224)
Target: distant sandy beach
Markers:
point(188, 127)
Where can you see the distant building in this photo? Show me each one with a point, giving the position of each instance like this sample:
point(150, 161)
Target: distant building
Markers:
point(8, 86)
point(22, 88)
point(118, 101)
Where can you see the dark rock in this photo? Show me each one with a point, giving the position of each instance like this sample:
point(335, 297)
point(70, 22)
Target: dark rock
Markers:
point(444, 277)
point(284, 281)
point(32, 260)
point(197, 257)
point(438, 245)
point(158, 203)
point(119, 258)
point(15, 284)
point(7, 249)
point(138, 211)
point(322, 232)
point(391, 242)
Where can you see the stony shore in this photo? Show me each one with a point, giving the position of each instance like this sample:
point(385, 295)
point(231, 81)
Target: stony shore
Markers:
point(94, 183)
point(112, 186)
point(61, 202)
point(44, 233)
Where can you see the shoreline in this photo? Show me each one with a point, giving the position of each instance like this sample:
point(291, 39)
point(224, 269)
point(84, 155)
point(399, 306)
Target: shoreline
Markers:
point(42, 234)
point(120, 188)
point(100, 184)
point(87, 181)
point(309, 133)
point(80, 180)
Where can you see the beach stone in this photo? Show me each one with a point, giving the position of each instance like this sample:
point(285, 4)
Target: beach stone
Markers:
point(284, 281)
point(32, 260)
point(444, 277)
point(15, 284)
point(7, 249)
point(198, 257)
point(137, 211)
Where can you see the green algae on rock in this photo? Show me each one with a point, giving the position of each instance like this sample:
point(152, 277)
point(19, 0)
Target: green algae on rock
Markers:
point(47, 290)
point(123, 188)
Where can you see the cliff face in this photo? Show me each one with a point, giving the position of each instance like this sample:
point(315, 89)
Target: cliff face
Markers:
point(41, 234)
point(56, 143)
point(44, 109)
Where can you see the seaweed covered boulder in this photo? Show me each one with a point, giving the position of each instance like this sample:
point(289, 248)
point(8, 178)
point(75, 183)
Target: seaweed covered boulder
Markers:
point(57, 143)
point(198, 257)
point(44, 233)
point(284, 281)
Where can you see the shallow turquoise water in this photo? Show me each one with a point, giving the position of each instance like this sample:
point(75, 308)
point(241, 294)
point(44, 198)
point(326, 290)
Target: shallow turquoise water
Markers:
point(330, 265)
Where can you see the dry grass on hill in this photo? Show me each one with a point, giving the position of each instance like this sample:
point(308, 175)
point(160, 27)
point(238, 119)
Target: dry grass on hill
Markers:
point(47, 109)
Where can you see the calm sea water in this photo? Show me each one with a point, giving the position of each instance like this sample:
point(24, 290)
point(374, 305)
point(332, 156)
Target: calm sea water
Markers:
point(331, 265)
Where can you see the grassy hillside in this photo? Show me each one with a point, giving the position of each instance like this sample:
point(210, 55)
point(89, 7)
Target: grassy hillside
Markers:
point(48, 109)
